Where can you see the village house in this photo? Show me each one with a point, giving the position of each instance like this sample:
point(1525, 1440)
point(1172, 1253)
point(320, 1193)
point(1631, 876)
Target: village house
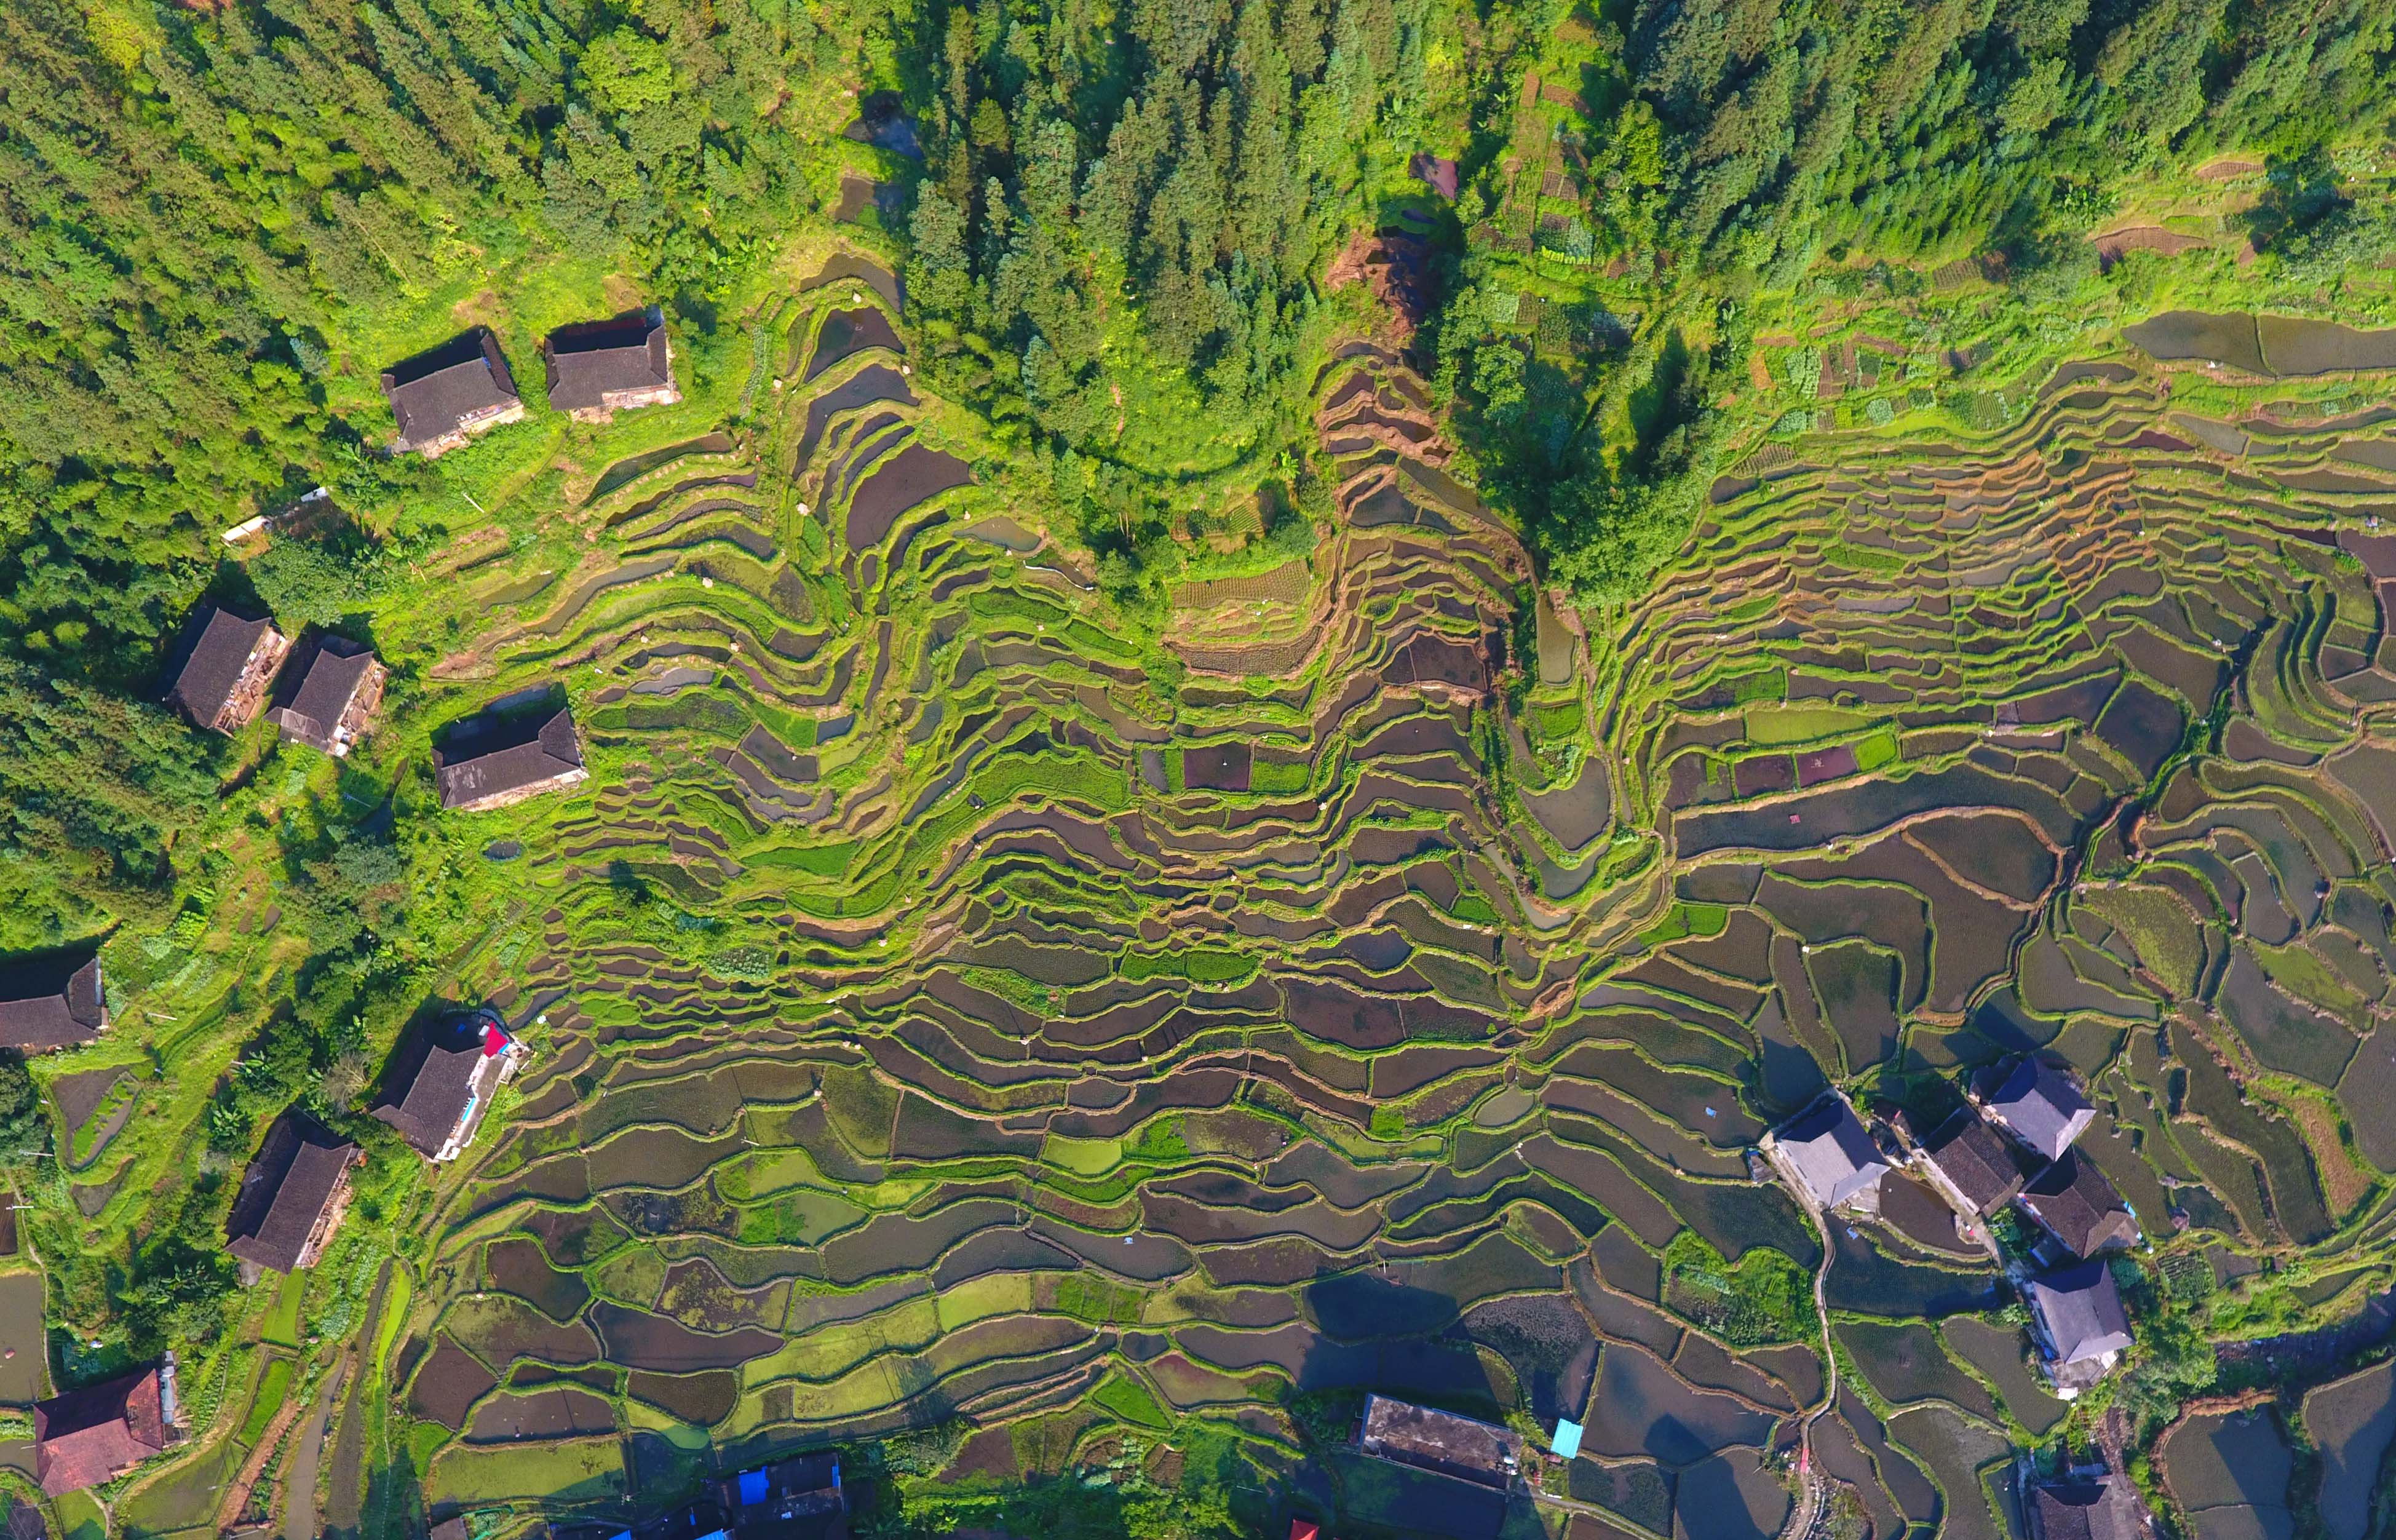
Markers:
point(226, 664)
point(55, 1002)
point(2082, 1327)
point(1970, 1164)
point(1826, 1153)
point(794, 1499)
point(2072, 1201)
point(87, 1437)
point(442, 1078)
point(492, 762)
point(2036, 1103)
point(601, 367)
point(340, 689)
point(2091, 1506)
point(700, 1520)
point(292, 1196)
point(1441, 1441)
point(440, 399)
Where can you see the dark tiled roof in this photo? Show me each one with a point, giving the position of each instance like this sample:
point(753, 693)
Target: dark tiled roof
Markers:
point(51, 1003)
point(434, 394)
point(627, 354)
point(1438, 1440)
point(431, 1075)
point(2042, 1107)
point(2082, 1312)
point(2104, 1508)
point(298, 1172)
point(1976, 1159)
point(1830, 1151)
point(2073, 1199)
point(85, 1437)
point(220, 648)
point(492, 756)
point(328, 682)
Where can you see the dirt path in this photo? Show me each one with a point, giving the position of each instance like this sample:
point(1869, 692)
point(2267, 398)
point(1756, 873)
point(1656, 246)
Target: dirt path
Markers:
point(299, 1517)
point(236, 1496)
point(1812, 1492)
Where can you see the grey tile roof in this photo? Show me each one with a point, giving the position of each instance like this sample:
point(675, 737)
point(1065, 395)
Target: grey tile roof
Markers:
point(2082, 1312)
point(328, 682)
point(1443, 1442)
point(434, 393)
point(298, 1174)
point(490, 757)
point(2041, 1105)
point(1830, 1151)
point(211, 666)
point(1976, 1159)
point(430, 1079)
point(51, 1002)
point(2102, 1508)
point(587, 362)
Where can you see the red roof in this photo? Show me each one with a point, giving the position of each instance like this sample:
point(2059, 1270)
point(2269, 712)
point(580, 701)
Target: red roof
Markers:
point(85, 1436)
point(1304, 1528)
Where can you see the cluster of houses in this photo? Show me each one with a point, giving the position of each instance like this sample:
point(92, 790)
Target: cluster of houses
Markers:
point(227, 664)
point(59, 999)
point(434, 1092)
point(441, 1080)
point(2011, 1143)
point(443, 398)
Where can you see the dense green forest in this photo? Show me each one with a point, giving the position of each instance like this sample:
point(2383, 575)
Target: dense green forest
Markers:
point(218, 222)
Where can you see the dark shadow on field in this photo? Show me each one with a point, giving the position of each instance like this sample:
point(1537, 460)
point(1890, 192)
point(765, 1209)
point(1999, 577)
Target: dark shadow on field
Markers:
point(395, 1504)
point(501, 724)
point(2300, 191)
point(1383, 1501)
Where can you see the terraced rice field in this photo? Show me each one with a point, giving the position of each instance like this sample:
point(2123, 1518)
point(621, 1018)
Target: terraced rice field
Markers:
point(949, 1013)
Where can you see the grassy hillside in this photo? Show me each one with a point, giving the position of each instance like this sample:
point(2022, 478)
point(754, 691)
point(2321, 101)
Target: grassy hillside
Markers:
point(1172, 842)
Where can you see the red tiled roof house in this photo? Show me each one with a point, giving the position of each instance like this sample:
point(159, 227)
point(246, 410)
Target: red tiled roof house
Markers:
point(90, 1436)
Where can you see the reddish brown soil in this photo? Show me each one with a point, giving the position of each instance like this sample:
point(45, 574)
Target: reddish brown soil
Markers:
point(2112, 243)
point(1397, 267)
